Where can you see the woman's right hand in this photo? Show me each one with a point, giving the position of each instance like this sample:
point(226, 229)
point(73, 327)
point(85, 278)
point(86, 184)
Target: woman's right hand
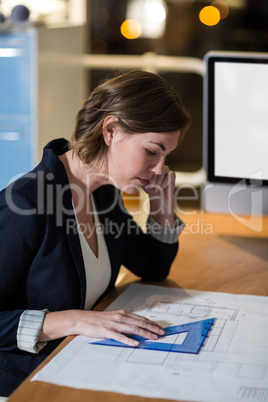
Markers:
point(105, 324)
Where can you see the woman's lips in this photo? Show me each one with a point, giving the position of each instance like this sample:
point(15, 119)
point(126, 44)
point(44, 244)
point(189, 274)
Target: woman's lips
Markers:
point(143, 181)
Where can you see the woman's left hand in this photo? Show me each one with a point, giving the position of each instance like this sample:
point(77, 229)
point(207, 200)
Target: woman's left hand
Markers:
point(161, 193)
point(162, 184)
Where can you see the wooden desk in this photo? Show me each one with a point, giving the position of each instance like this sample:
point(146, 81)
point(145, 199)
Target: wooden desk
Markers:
point(217, 253)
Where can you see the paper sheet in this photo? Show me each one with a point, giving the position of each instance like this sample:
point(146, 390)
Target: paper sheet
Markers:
point(232, 365)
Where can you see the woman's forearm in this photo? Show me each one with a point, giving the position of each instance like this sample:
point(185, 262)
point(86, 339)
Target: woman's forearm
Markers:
point(106, 324)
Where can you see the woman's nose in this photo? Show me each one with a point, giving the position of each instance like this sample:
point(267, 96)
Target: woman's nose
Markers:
point(158, 168)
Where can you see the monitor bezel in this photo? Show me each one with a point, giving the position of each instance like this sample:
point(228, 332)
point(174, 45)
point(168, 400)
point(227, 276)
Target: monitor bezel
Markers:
point(210, 59)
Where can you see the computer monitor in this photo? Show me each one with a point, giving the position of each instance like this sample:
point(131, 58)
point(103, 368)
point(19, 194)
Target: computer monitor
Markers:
point(235, 133)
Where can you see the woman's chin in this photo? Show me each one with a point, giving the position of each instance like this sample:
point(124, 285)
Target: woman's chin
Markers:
point(131, 189)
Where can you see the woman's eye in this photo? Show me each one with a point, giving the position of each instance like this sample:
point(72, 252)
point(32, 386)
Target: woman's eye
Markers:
point(151, 153)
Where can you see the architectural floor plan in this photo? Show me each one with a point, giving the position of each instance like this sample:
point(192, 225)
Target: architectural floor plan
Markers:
point(232, 364)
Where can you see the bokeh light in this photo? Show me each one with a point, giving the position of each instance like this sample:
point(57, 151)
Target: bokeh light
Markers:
point(151, 14)
point(222, 6)
point(131, 29)
point(154, 10)
point(209, 15)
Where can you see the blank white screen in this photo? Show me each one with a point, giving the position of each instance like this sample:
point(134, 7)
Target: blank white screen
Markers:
point(241, 120)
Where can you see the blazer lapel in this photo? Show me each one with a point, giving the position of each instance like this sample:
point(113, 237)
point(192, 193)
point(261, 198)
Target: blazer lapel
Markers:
point(65, 208)
point(75, 247)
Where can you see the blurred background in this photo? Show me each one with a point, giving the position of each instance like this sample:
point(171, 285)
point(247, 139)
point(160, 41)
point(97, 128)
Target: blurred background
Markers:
point(67, 47)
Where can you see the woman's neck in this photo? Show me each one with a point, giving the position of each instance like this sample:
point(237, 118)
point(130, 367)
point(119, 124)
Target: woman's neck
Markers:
point(85, 176)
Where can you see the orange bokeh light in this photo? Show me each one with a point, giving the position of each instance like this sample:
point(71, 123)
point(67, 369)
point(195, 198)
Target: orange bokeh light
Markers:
point(209, 15)
point(131, 29)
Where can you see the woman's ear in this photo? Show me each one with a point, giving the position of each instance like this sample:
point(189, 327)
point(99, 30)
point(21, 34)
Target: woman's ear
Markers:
point(108, 129)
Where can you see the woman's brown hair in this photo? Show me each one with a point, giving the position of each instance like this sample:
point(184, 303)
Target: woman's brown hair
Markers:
point(142, 101)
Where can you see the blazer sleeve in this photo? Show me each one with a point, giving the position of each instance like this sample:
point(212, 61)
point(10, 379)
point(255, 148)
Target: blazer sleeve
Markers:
point(146, 256)
point(20, 231)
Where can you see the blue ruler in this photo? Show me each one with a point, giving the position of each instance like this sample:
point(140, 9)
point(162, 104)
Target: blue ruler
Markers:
point(197, 332)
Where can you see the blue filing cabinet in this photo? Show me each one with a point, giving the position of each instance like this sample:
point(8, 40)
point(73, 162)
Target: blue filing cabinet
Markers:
point(18, 104)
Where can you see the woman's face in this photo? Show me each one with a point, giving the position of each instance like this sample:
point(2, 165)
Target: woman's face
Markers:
point(133, 159)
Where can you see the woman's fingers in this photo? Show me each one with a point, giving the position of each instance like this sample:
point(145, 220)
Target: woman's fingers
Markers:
point(120, 332)
point(124, 323)
point(117, 336)
point(115, 325)
point(158, 183)
point(168, 179)
point(143, 321)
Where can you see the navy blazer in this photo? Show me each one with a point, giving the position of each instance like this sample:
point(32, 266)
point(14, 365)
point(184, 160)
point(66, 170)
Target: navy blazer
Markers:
point(41, 264)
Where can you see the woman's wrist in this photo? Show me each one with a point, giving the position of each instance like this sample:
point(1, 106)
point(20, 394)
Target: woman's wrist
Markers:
point(58, 325)
point(162, 212)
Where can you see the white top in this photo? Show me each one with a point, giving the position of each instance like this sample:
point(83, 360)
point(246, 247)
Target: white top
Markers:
point(98, 269)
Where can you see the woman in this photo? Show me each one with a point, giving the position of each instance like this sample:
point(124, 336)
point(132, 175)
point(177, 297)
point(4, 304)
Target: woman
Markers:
point(65, 233)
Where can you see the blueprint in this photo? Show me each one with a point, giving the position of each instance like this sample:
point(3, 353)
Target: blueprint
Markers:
point(231, 366)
